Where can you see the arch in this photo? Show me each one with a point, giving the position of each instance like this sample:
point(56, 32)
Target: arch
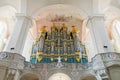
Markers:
point(55, 71)
point(7, 11)
point(112, 27)
point(7, 17)
point(3, 34)
point(43, 15)
point(116, 35)
point(3, 27)
point(59, 76)
point(111, 12)
point(88, 77)
point(29, 76)
point(82, 14)
point(8, 14)
point(114, 72)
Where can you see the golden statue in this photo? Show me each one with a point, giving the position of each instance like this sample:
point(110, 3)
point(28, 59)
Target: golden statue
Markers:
point(43, 29)
point(74, 29)
point(64, 27)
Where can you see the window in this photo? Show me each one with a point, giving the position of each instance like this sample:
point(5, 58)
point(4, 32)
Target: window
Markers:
point(3, 33)
point(116, 35)
point(117, 27)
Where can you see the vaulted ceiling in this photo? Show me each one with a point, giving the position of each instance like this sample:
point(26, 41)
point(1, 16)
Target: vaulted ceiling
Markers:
point(74, 11)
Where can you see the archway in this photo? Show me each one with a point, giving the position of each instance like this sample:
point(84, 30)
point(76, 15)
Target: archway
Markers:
point(59, 76)
point(7, 21)
point(88, 77)
point(68, 14)
point(29, 76)
point(59, 14)
point(112, 16)
point(114, 72)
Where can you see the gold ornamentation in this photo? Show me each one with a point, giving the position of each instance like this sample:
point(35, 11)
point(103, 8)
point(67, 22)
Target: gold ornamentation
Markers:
point(33, 55)
point(59, 41)
point(78, 58)
point(84, 54)
point(39, 58)
point(74, 29)
point(51, 59)
point(43, 29)
point(77, 53)
point(65, 58)
point(40, 53)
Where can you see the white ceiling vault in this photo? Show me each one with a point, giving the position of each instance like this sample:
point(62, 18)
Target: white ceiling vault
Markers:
point(72, 10)
point(29, 7)
point(39, 4)
point(51, 11)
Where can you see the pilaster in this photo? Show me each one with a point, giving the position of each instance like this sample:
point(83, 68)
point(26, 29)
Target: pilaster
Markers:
point(99, 34)
point(17, 38)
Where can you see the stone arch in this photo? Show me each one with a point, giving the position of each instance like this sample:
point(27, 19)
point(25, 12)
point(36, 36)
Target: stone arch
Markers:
point(69, 10)
point(111, 14)
point(82, 13)
point(88, 77)
point(64, 71)
point(29, 76)
point(115, 34)
point(7, 11)
point(59, 76)
point(78, 14)
point(3, 33)
point(113, 72)
point(7, 16)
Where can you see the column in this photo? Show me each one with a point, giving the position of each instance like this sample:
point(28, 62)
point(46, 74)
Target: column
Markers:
point(17, 38)
point(99, 34)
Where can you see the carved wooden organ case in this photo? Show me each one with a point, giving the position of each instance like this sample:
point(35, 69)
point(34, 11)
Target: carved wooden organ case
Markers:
point(58, 42)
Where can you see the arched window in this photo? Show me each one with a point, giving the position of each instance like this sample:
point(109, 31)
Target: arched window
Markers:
point(7, 21)
point(3, 32)
point(116, 35)
point(117, 27)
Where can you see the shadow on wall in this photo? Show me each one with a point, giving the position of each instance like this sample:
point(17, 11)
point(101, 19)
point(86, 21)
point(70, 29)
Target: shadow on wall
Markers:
point(29, 76)
point(114, 72)
point(88, 77)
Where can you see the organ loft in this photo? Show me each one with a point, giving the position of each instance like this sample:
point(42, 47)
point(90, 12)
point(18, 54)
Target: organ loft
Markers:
point(58, 42)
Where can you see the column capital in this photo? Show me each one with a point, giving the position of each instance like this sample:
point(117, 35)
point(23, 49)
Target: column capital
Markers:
point(29, 18)
point(96, 16)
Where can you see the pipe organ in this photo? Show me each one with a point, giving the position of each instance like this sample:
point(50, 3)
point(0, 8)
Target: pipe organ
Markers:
point(58, 42)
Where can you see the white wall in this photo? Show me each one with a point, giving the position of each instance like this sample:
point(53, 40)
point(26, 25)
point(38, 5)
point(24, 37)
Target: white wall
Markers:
point(90, 47)
point(100, 5)
point(28, 46)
